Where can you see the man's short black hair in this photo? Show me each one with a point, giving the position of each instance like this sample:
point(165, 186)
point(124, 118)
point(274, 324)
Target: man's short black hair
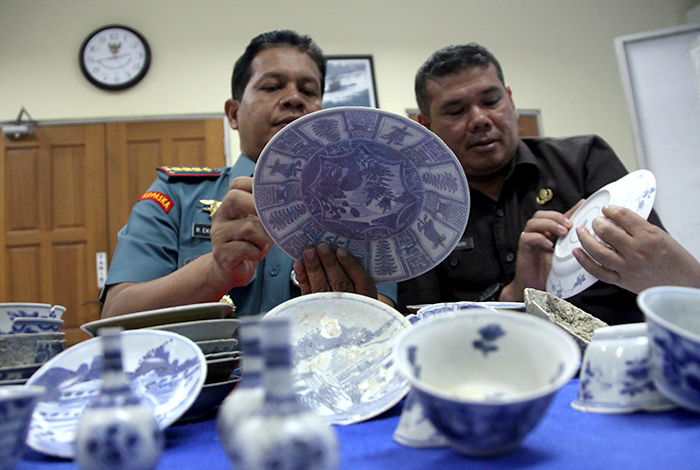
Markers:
point(451, 60)
point(242, 70)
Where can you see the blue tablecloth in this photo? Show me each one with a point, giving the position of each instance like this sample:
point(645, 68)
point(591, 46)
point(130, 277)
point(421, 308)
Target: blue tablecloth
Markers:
point(565, 439)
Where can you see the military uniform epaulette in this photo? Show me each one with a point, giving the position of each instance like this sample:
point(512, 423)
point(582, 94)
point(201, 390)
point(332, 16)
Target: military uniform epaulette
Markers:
point(170, 173)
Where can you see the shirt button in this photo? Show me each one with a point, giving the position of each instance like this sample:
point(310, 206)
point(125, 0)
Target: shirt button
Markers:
point(274, 271)
point(499, 212)
point(510, 257)
point(454, 262)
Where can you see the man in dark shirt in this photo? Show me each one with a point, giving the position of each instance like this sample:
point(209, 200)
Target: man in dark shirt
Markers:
point(522, 190)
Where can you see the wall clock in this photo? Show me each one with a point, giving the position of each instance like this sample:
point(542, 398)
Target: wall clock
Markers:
point(115, 57)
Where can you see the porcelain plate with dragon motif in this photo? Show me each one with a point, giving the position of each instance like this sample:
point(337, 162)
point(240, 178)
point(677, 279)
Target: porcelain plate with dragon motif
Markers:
point(635, 191)
point(379, 184)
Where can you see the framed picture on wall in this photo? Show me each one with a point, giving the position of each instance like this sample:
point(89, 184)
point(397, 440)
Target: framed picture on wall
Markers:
point(350, 82)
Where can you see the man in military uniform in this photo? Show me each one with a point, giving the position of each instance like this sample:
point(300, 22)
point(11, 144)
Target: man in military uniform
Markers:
point(194, 236)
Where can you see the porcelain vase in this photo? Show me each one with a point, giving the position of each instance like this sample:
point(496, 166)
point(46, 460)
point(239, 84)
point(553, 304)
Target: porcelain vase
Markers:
point(283, 435)
point(117, 430)
point(249, 395)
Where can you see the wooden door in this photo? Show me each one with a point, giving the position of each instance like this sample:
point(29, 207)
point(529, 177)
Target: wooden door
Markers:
point(54, 221)
point(67, 190)
point(136, 149)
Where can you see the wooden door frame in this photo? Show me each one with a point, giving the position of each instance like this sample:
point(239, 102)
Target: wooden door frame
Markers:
point(176, 117)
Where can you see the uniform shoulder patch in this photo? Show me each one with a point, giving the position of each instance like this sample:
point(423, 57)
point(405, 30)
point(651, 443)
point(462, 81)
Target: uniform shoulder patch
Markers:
point(195, 172)
point(159, 198)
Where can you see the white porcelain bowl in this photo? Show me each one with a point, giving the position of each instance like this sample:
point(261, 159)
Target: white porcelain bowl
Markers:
point(10, 311)
point(486, 379)
point(16, 406)
point(616, 373)
point(673, 319)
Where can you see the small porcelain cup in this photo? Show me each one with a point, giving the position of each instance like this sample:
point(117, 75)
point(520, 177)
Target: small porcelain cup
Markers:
point(17, 403)
point(616, 373)
point(673, 318)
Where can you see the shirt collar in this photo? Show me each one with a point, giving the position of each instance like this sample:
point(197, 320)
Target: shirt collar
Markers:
point(524, 161)
point(243, 166)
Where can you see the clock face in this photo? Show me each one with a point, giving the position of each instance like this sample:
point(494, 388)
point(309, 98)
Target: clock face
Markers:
point(115, 57)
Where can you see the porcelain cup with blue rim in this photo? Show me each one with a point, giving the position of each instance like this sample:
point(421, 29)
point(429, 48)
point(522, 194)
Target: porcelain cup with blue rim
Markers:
point(673, 319)
point(17, 403)
point(11, 310)
point(486, 379)
point(616, 374)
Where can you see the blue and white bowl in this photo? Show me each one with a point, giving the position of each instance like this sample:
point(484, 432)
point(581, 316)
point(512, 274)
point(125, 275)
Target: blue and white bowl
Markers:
point(25, 325)
point(673, 319)
point(485, 379)
point(12, 310)
point(16, 405)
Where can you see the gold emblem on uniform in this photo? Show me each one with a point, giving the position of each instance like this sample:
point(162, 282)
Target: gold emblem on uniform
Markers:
point(210, 205)
point(544, 196)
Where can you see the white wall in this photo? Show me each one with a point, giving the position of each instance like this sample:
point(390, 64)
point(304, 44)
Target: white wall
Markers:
point(558, 55)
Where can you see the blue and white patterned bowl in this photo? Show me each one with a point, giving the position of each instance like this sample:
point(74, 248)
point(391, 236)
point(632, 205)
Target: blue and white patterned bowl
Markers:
point(673, 320)
point(16, 405)
point(36, 325)
point(485, 379)
point(616, 373)
point(12, 310)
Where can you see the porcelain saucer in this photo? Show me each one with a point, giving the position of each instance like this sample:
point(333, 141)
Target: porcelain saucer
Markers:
point(635, 191)
point(378, 184)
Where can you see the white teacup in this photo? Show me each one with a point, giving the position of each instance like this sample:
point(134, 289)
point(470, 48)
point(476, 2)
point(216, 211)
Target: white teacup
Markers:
point(616, 374)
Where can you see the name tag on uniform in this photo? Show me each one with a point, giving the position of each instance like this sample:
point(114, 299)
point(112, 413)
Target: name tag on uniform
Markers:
point(465, 244)
point(201, 231)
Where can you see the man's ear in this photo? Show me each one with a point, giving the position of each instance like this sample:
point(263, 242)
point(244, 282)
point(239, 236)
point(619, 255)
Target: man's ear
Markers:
point(231, 108)
point(424, 119)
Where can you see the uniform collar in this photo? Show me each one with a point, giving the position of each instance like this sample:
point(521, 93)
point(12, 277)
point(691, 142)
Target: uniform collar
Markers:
point(244, 166)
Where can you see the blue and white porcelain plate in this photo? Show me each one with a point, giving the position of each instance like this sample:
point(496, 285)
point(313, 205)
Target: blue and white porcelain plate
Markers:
point(165, 369)
point(381, 185)
point(341, 346)
point(635, 191)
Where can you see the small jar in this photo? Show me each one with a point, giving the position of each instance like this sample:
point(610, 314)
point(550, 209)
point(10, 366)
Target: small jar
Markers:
point(283, 434)
point(249, 395)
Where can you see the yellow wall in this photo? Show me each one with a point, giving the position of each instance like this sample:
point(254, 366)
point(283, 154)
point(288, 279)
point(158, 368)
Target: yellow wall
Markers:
point(558, 55)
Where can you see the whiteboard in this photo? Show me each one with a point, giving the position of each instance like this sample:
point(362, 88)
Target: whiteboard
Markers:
point(661, 75)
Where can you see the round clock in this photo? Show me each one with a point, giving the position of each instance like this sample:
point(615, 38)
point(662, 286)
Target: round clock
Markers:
point(115, 57)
